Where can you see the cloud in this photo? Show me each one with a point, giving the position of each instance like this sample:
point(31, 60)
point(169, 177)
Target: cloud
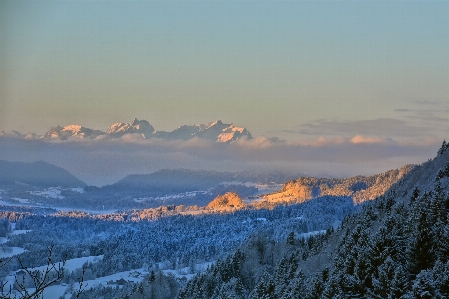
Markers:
point(427, 116)
point(362, 139)
point(430, 118)
point(105, 161)
point(382, 127)
point(426, 102)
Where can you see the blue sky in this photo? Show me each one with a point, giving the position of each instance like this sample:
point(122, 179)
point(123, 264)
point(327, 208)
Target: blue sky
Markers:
point(304, 71)
point(266, 65)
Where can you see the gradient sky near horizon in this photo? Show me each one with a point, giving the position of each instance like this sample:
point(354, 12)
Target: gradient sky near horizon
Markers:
point(292, 69)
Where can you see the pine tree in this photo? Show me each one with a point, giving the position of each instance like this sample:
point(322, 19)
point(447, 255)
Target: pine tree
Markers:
point(446, 170)
point(424, 286)
point(414, 196)
point(391, 282)
point(152, 276)
point(440, 273)
point(440, 175)
point(443, 243)
point(421, 255)
point(442, 149)
point(264, 290)
point(291, 239)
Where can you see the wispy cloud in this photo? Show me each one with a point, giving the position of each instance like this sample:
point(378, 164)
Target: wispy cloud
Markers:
point(426, 102)
point(382, 127)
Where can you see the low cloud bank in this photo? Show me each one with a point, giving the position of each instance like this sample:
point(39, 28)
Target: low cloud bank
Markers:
point(104, 161)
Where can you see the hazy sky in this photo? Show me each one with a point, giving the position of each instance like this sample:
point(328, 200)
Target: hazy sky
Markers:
point(342, 82)
point(271, 66)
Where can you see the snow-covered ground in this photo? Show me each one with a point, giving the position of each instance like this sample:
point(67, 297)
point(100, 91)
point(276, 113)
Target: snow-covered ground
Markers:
point(75, 263)
point(13, 204)
point(6, 251)
point(54, 192)
point(22, 200)
point(313, 233)
point(55, 291)
point(79, 190)
point(186, 272)
point(174, 196)
point(64, 209)
point(20, 231)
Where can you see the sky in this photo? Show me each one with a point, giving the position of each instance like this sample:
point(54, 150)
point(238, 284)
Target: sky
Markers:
point(311, 73)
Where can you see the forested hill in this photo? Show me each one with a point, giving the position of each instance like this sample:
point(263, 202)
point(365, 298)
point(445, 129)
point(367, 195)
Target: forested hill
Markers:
point(360, 188)
point(397, 246)
point(38, 174)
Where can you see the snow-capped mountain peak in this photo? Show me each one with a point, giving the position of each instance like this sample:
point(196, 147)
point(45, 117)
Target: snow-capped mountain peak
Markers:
point(71, 131)
point(216, 131)
point(142, 127)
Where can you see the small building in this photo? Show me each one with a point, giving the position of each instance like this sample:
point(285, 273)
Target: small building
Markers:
point(121, 282)
point(135, 274)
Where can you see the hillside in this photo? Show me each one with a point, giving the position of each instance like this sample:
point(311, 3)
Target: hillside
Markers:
point(38, 174)
point(396, 247)
point(360, 188)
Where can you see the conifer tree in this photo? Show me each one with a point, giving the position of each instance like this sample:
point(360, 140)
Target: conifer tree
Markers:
point(421, 256)
point(443, 148)
point(291, 238)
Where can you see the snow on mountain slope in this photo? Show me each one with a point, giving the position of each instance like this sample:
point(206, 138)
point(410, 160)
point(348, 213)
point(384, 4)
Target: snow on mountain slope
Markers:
point(12, 134)
point(360, 188)
point(217, 131)
point(142, 127)
point(71, 131)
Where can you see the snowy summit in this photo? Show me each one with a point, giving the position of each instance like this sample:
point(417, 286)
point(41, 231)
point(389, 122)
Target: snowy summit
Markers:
point(216, 131)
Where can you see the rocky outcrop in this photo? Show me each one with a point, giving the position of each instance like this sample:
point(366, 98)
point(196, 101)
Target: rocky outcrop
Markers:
point(229, 200)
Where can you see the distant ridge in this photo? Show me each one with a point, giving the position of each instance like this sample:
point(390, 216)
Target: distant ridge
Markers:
point(360, 188)
point(37, 174)
point(216, 131)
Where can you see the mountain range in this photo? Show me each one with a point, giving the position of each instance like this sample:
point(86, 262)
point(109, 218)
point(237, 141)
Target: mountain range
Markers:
point(216, 131)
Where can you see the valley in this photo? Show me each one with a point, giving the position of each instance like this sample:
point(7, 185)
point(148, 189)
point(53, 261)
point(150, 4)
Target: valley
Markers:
point(124, 252)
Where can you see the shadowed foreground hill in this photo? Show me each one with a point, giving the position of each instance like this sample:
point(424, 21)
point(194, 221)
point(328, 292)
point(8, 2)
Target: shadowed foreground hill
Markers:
point(37, 174)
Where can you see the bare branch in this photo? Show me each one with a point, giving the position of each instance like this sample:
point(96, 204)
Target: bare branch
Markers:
point(52, 273)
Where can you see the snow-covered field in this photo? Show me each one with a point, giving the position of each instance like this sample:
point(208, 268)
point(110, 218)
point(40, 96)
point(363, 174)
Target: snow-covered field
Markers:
point(64, 209)
point(6, 251)
point(173, 196)
point(307, 235)
point(22, 200)
point(20, 231)
point(54, 192)
point(186, 272)
point(56, 291)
